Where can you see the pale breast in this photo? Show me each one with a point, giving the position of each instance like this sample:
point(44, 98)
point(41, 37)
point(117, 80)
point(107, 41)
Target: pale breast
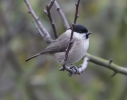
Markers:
point(77, 51)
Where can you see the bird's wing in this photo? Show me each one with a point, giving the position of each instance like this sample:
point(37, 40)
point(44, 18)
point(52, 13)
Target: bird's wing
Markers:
point(59, 45)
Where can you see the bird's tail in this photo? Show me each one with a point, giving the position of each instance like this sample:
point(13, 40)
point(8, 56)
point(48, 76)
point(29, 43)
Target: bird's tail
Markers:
point(36, 55)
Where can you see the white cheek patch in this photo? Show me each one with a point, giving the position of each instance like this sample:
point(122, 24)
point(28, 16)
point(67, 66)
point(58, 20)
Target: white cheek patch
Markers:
point(76, 35)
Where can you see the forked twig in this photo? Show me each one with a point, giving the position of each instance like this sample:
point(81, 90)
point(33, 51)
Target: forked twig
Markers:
point(46, 35)
point(48, 13)
point(50, 4)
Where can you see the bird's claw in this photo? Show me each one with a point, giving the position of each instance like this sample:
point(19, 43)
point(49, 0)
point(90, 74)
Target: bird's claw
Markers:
point(62, 69)
point(63, 63)
point(74, 70)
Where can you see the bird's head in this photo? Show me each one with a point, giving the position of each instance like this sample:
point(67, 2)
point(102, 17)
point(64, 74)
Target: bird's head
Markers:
point(80, 29)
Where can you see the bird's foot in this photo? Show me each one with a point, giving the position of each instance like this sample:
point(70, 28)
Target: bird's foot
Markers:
point(74, 70)
point(61, 69)
point(63, 63)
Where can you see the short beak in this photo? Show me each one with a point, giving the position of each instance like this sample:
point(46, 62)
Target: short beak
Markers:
point(89, 33)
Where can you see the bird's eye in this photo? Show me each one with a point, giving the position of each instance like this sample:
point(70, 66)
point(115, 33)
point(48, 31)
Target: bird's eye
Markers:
point(85, 31)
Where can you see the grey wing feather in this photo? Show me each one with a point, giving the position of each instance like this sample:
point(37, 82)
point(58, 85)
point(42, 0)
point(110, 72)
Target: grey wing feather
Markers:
point(59, 45)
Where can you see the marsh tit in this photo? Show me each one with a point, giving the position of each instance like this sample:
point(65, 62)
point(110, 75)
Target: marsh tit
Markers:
point(78, 49)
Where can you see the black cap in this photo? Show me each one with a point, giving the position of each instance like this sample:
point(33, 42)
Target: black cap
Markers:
point(80, 29)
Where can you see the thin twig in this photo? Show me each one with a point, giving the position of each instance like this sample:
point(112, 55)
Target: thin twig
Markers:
point(51, 4)
point(76, 13)
point(37, 28)
point(46, 37)
point(71, 37)
point(110, 61)
point(48, 13)
point(62, 15)
point(114, 74)
point(69, 45)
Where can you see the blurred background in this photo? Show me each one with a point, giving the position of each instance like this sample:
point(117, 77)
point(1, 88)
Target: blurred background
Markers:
point(39, 79)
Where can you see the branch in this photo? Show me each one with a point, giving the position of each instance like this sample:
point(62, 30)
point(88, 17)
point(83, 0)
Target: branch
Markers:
point(73, 70)
point(84, 65)
point(76, 13)
point(48, 7)
point(71, 37)
point(105, 63)
point(46, 35)
point(37, 28)
point(69, 45)
point(88, 57)
point(62, 15)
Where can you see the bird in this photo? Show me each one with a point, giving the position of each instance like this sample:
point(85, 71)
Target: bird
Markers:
point(79, 47)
